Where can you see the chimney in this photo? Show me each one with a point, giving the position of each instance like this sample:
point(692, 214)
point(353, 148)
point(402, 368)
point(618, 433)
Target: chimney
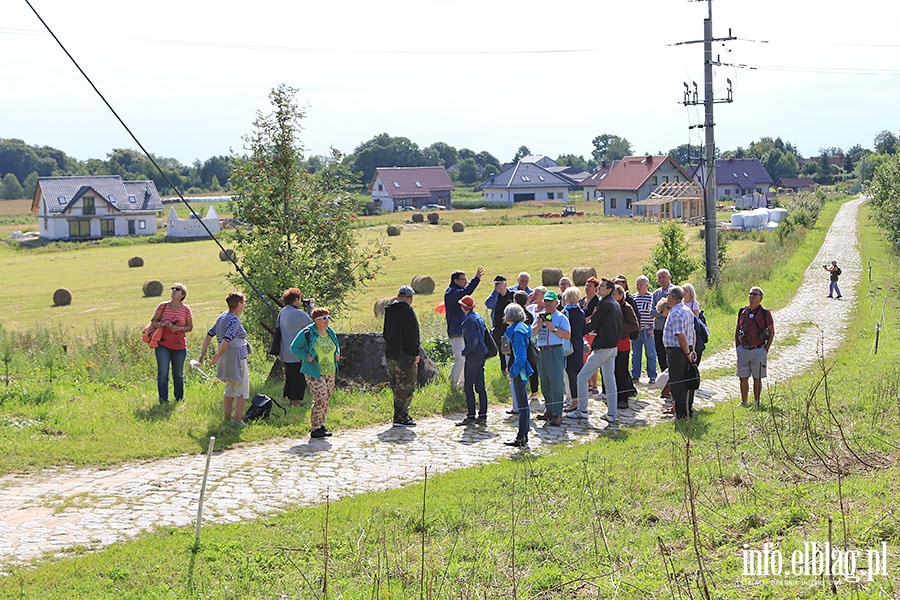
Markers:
point(649, 159)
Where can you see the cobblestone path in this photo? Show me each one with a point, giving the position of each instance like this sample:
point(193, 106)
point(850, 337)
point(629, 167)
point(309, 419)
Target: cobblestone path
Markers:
point(49, 512)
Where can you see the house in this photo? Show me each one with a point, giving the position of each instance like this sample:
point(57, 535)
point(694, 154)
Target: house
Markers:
point(526, 181)
point(589, 184)
point(634, 178)
point(79, 208)
point(538, 159)
point(192, 228)
point(394, 188)
point(739, 178)
point(796, 184)
point(576, 174)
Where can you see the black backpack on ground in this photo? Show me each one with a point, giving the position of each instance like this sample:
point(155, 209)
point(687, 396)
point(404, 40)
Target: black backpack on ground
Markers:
point(261, 408)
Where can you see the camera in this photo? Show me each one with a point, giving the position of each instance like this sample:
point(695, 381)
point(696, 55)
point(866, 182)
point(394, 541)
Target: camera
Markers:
point(764, 334)
point(547, 317)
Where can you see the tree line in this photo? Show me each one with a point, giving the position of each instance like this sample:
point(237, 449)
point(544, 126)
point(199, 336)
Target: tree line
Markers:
point(21, 164)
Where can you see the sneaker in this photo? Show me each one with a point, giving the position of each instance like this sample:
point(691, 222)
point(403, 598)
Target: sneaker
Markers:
point(653, 381)
point(320, 432)
point(542, 417)
point(407, 422)
point(534, 396)
point(512, 412)
point(481, 420)
point(576, 414)
point(608, 419)
point(465, 422)
point(238, 423)
point(517, 443)
point(839, 297)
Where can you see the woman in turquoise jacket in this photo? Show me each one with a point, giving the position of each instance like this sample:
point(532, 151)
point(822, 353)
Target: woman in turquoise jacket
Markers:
point(318, 349)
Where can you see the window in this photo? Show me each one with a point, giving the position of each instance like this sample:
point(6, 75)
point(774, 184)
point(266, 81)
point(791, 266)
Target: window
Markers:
point(628, 203)
point(61, 199)
point(380, 187)
point(142, 224)
point(107, 227)
point(131, 198)
point(112, 198)
point(612, 203)
point(550, 195)
point(655, 180)
point(88, 206)
point(665, 179)
point(676, 179)
point(396, 185)
point(418, 184)
point(79, 229)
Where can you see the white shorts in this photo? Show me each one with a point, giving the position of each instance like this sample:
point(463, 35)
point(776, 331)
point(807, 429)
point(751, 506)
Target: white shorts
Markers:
point(234, 389)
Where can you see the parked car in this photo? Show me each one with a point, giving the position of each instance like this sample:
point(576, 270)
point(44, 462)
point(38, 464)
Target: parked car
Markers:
point(434, 207)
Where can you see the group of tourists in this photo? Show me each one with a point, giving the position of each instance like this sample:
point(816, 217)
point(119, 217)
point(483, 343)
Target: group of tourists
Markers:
point(550, 341)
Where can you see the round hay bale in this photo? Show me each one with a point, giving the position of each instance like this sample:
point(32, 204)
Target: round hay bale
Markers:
point(135, 261)
point(153, 288)
point(434, 217)
point(458, 227)
point(226, 255)
point(581, 274)
point(62, 297)
point(393, 230)
point(422, 284)
point(418, 218)
point(550, 276)
point(380, 304)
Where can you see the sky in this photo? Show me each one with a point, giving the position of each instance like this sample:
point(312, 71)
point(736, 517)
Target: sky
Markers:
point(189, 77)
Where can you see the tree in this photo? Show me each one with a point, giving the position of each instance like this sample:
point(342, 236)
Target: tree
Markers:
point(487, 163)
point(779, 158)
point(884, 194)
point(468, 170)
point(30, 184)
point(446, 154)
point(521, 153)
point(672, 253)
point(608, 147)
point(572, 160)
point(885, 142)
point(687, 155)
point(218, 167)
point(10, 188)
point(384, 151)
point(298, 226)
point(466, 153)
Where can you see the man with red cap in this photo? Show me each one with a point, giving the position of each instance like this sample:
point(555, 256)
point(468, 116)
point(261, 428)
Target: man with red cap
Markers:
point(475, 352)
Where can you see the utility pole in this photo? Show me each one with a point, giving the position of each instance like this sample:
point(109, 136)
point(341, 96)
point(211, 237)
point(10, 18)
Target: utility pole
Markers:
point(708, 168)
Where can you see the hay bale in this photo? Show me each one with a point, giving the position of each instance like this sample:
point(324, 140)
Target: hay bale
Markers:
point(418, 218)
point(62, 297)
point(226, 255)
point(380, 304)
point(153, 288)
point(434, 217)
point(393, 230)
point(135, 261)
point(550, 276)
point(458, 227)
point(422, 284)
point(581, 274)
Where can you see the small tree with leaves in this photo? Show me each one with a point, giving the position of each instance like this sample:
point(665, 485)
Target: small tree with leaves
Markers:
point(672, 253)
point(297, 226)
point(884, 193)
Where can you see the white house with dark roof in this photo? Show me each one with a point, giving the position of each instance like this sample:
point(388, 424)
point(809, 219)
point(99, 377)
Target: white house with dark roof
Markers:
point(526, 181)
point(393, 188)
point(80, 208)
point(742, 177)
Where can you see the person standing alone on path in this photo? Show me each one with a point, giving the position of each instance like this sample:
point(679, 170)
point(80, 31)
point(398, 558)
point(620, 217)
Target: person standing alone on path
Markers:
point(401, 350)
point(459, 286)
point(835, 270)
point(475, 352)
point(752, 339)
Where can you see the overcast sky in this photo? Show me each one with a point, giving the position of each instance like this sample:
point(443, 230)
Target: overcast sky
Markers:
point(188, 76)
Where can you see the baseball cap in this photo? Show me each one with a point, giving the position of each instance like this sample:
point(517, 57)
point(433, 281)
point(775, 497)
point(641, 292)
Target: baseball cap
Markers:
point(551, 295)
point(834, 262)
point(405, 290)
point(467, 301)
point(499, 278)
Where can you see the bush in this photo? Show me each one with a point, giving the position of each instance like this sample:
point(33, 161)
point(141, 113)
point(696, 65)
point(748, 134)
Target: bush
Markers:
point(438, 349)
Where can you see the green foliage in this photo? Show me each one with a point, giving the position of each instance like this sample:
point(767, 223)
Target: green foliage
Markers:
point(298, 225)
point(885, 142)
point(438, 349)
point(608, 147)
point(781, 159)
point(521, 153)
point(468, 170)
point(10, 188)
point(885, 198)
point(384, 151)
point(671, 253)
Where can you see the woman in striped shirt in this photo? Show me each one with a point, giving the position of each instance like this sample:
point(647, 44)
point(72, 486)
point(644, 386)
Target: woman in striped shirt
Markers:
point(231, 357)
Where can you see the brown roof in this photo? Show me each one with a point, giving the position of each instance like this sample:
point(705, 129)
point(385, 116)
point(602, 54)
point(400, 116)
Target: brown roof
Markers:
point(632, 172)
point(412, 182)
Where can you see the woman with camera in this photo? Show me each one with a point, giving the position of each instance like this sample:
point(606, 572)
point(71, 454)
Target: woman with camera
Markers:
point(752, 339)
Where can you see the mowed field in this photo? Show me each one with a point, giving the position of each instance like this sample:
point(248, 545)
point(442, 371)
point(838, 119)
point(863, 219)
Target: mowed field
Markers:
point(105, 289)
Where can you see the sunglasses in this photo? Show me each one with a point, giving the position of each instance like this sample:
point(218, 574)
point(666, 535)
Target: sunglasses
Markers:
point(326, 317)
point(177, 289)
point(754, 293)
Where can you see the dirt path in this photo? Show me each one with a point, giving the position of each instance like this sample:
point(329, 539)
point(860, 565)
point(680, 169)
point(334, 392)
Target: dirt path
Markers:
point(49, 512)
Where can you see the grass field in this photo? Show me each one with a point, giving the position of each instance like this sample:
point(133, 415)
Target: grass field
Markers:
point(623, 517)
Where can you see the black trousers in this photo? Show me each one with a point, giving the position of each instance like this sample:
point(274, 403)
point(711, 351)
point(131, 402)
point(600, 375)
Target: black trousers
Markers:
point(684, 401)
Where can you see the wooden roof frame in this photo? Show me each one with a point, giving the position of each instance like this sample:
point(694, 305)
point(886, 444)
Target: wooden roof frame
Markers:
point(689, 193)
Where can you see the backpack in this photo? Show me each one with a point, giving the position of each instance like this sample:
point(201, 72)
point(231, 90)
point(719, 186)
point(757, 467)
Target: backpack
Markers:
point(701, 329)
point(490, 344)
point(261, 408)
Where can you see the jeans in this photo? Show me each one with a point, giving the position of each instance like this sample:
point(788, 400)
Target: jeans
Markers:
point(834, 290)
point(605, 360)
point(164, 356)
point(644, 344)
point(551, 368)
point(457, 371)
point(521, 399)
point(474, 382)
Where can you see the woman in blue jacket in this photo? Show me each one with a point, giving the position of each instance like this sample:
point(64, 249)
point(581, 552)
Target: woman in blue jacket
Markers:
point(519, 336)
point(318, 349)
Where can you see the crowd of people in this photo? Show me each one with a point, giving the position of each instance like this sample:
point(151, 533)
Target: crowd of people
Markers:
point(551, 344)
